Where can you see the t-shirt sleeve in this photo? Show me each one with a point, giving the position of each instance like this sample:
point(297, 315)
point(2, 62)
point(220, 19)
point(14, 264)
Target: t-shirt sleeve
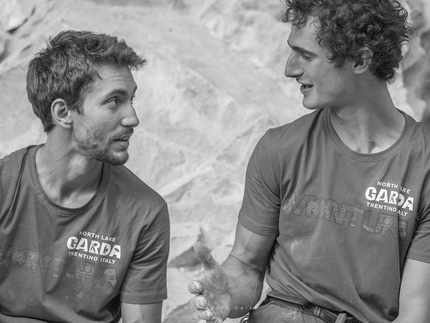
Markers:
point(11, 168)
point(145, 280)
point(420, 245)
point(261, 203)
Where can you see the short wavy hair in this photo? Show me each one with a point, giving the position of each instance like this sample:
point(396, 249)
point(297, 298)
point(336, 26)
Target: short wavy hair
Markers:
point(68, 66)
point(345, 27)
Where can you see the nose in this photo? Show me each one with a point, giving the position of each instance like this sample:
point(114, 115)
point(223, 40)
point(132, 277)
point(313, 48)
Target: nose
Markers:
point(292, 67)
point(130, 119)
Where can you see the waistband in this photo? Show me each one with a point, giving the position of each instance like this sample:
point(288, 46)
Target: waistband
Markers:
point(326, 315)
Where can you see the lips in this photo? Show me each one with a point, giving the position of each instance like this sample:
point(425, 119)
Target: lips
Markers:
point(125, 136)
point(122, 142)
point(305, 86)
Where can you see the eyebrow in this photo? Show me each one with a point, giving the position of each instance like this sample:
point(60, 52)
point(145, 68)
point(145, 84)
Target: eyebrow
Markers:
point(300, 49)
point(119, 92)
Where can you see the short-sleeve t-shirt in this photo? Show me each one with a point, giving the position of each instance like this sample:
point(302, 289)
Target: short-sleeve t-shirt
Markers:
point(345, 222)
point(78, 265)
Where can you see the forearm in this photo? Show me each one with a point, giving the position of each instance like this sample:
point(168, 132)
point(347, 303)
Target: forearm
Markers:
point(416, 312)
point(141, 313)
point(411, 319)
point(246, 285)
point(414, 298)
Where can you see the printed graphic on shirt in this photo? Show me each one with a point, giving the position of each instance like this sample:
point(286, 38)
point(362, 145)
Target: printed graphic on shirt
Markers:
point(369, 220)
point(87, 266)
point(94, 246)
point(390, 197)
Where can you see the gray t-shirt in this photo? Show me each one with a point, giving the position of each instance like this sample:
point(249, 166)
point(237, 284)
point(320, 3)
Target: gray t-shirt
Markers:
point(77, 265)
point(345, 222)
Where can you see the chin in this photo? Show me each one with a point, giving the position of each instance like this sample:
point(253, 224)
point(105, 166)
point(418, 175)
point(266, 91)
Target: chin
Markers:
point(113, 159)
point(313, 105)
point(116, 161)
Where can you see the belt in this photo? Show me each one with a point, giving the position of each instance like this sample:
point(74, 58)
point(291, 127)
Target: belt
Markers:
point(326, 315)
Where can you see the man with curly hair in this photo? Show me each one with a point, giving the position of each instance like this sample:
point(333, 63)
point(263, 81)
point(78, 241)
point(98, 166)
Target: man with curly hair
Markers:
point(82, 239)
point(336, 210)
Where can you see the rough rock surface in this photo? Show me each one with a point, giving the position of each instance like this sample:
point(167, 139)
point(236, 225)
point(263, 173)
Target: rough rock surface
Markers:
point(213, 85)
point(416, 66)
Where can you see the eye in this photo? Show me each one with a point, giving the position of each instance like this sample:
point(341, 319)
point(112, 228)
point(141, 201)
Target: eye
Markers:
point(306, 57)
point(113, 101)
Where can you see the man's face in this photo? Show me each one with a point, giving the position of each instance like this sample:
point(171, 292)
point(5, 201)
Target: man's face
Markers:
point(107, 118)
point(323, 84)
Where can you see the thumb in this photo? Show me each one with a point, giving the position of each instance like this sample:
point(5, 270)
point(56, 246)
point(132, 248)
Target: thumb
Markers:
point(204, 255)
point(212, 270)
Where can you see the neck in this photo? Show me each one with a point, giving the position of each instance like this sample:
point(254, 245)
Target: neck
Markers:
point(370, 126)
point(68, 179)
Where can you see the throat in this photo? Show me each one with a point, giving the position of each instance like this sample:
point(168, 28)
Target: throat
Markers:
point(368, 136)
point(65, 185)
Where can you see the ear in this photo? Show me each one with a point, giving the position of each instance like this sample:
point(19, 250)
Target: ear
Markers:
point(362, 64)
point(61, 114)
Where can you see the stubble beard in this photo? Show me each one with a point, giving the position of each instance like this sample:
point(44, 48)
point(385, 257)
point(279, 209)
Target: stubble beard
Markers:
point(97, 147)
point(107, 157)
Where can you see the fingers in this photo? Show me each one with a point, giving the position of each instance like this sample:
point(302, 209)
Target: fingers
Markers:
point(199, 302)
point(208, 316)
point(195, 287)
point(205, 314)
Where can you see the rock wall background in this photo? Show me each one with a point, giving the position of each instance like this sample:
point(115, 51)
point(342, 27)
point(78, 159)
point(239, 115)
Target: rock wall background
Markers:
point(213, 85)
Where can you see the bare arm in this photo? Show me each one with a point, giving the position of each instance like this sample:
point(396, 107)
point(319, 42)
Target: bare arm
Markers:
point(414, 293)
point(141, 313)
point(246, 269)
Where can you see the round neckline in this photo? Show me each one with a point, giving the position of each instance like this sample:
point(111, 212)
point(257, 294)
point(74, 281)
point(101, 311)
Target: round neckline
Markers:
point(372, 157)
point(43, 197)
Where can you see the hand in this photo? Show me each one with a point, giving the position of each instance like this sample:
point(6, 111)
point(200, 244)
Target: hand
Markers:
point(213, 291)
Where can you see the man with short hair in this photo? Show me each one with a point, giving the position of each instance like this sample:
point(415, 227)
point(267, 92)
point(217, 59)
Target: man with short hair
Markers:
point(82, 239)
point(336, 207)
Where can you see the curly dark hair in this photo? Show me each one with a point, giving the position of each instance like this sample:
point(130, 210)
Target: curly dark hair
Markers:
point(345, 27)
point(68, 66)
